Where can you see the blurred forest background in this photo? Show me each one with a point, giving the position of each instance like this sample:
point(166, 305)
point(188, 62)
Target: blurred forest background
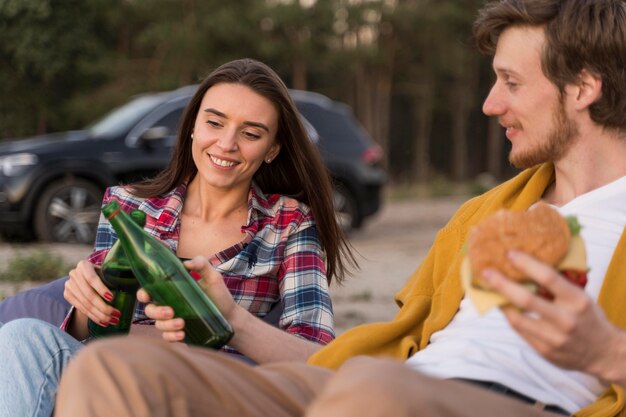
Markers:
point(408, 68)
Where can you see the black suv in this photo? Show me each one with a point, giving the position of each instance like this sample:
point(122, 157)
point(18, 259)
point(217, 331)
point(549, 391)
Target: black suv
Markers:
point(51, 186)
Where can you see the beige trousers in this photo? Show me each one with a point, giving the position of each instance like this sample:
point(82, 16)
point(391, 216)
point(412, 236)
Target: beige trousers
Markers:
point(137, 377)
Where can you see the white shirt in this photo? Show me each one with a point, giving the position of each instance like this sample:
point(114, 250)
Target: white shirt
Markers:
point(486, 348)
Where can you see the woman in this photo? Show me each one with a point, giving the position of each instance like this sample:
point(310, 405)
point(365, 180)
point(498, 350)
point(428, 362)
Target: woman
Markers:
point(241, 188)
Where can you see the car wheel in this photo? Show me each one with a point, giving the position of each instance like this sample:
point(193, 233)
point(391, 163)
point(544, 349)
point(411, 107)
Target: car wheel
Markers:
point(68, 211)
point(346, 209)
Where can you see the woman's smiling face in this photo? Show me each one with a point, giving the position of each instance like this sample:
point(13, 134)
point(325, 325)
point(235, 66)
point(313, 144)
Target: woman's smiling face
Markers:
point(234, 133)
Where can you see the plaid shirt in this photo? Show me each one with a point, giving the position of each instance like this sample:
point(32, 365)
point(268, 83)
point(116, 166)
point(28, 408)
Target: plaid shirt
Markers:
point(279, 259)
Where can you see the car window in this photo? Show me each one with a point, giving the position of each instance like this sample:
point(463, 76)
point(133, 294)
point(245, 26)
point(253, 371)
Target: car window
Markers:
point(170, 123)
point(170, 120)
point(336, 125)
point(123, 118)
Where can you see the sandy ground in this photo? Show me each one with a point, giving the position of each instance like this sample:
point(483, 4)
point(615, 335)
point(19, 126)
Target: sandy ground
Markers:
point(390, 247)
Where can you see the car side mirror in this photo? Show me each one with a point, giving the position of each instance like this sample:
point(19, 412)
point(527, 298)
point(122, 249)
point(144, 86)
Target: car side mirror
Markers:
point(154, 133)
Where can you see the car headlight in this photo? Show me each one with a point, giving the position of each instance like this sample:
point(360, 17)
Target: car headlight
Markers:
point(12, 165)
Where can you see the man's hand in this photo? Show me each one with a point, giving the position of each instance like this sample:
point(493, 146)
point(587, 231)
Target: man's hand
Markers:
point(570, 331)
point(210, 281)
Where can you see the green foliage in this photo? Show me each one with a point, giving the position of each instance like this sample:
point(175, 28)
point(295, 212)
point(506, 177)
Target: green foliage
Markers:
point(482, 183)
point(477, 188)
point(440, 186)
point(39, 265)
point(50, 49)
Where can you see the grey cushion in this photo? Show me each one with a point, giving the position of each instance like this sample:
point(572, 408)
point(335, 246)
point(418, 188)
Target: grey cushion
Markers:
point(45, 303)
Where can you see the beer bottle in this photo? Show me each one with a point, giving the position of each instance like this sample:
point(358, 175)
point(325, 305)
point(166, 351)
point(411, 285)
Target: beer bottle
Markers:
point(168, 282)
point(118, 276)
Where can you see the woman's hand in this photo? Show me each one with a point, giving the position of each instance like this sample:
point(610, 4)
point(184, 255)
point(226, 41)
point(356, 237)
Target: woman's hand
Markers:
point(210, 281)
point(570, 331)
point(171, 328)
point(86, 291)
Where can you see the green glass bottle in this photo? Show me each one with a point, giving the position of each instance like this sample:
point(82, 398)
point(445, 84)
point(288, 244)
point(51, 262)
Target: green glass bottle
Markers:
point(118, 276)
point(168, 282)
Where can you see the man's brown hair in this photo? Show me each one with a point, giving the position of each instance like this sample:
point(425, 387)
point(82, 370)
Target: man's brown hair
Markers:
point(580, 34)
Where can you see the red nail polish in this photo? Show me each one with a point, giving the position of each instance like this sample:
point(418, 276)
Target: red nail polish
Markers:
point(104, 324)
point(114, 321)
point(108, 296)
point(195, 275)
point(116, 314)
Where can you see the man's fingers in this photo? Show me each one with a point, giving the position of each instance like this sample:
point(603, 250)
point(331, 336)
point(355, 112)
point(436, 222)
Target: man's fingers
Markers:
point(517, 294)
point(544, 275)
point(540, 334)
point(531, 327)
point(523, 299)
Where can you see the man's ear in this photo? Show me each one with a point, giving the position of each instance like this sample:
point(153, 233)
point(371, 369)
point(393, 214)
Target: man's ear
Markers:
point(589, 89)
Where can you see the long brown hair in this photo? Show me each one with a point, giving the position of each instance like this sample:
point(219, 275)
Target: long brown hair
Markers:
point(580, 34)
point(297, 171)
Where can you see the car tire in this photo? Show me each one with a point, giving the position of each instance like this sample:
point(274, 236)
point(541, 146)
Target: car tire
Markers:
point(346, 209)
point(68, 211)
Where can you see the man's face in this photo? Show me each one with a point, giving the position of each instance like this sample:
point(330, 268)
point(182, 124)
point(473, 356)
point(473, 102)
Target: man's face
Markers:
point(527, 104)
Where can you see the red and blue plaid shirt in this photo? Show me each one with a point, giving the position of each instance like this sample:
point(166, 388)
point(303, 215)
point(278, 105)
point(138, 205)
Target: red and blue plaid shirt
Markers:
point(279, 259)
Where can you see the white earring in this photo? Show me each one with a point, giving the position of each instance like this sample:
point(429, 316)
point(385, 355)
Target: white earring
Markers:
point(268, 160)
point(191, 135)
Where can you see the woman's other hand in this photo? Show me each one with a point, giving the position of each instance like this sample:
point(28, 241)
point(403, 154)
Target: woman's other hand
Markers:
point(86, 292)
point(172, 329)
point(211, 281)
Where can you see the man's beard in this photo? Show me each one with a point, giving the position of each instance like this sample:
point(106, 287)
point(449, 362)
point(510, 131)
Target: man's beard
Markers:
point(558, 143)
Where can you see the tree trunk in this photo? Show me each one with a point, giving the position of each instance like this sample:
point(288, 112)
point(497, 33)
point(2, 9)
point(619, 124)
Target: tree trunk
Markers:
point(361, 95)
point(460, 115)
point(298, 69)
point(382, 101)
point(42, 111)
point(462, 95)
point(423, 114)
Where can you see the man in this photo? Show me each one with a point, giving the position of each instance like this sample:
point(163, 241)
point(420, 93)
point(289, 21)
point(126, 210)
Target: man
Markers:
point(561, 95)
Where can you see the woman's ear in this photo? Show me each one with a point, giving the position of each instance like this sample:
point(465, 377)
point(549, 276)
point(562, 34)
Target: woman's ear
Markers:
point(589, 89)
point(272, 153)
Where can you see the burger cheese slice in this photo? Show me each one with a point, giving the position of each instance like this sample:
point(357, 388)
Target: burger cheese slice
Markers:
point(541, 232)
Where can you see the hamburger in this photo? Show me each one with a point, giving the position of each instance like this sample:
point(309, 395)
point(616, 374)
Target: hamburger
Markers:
point(541, 232)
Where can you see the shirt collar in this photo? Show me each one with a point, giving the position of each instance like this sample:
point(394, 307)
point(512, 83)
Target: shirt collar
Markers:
point(259, 206)
point(166, 208)
point(260, 202)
